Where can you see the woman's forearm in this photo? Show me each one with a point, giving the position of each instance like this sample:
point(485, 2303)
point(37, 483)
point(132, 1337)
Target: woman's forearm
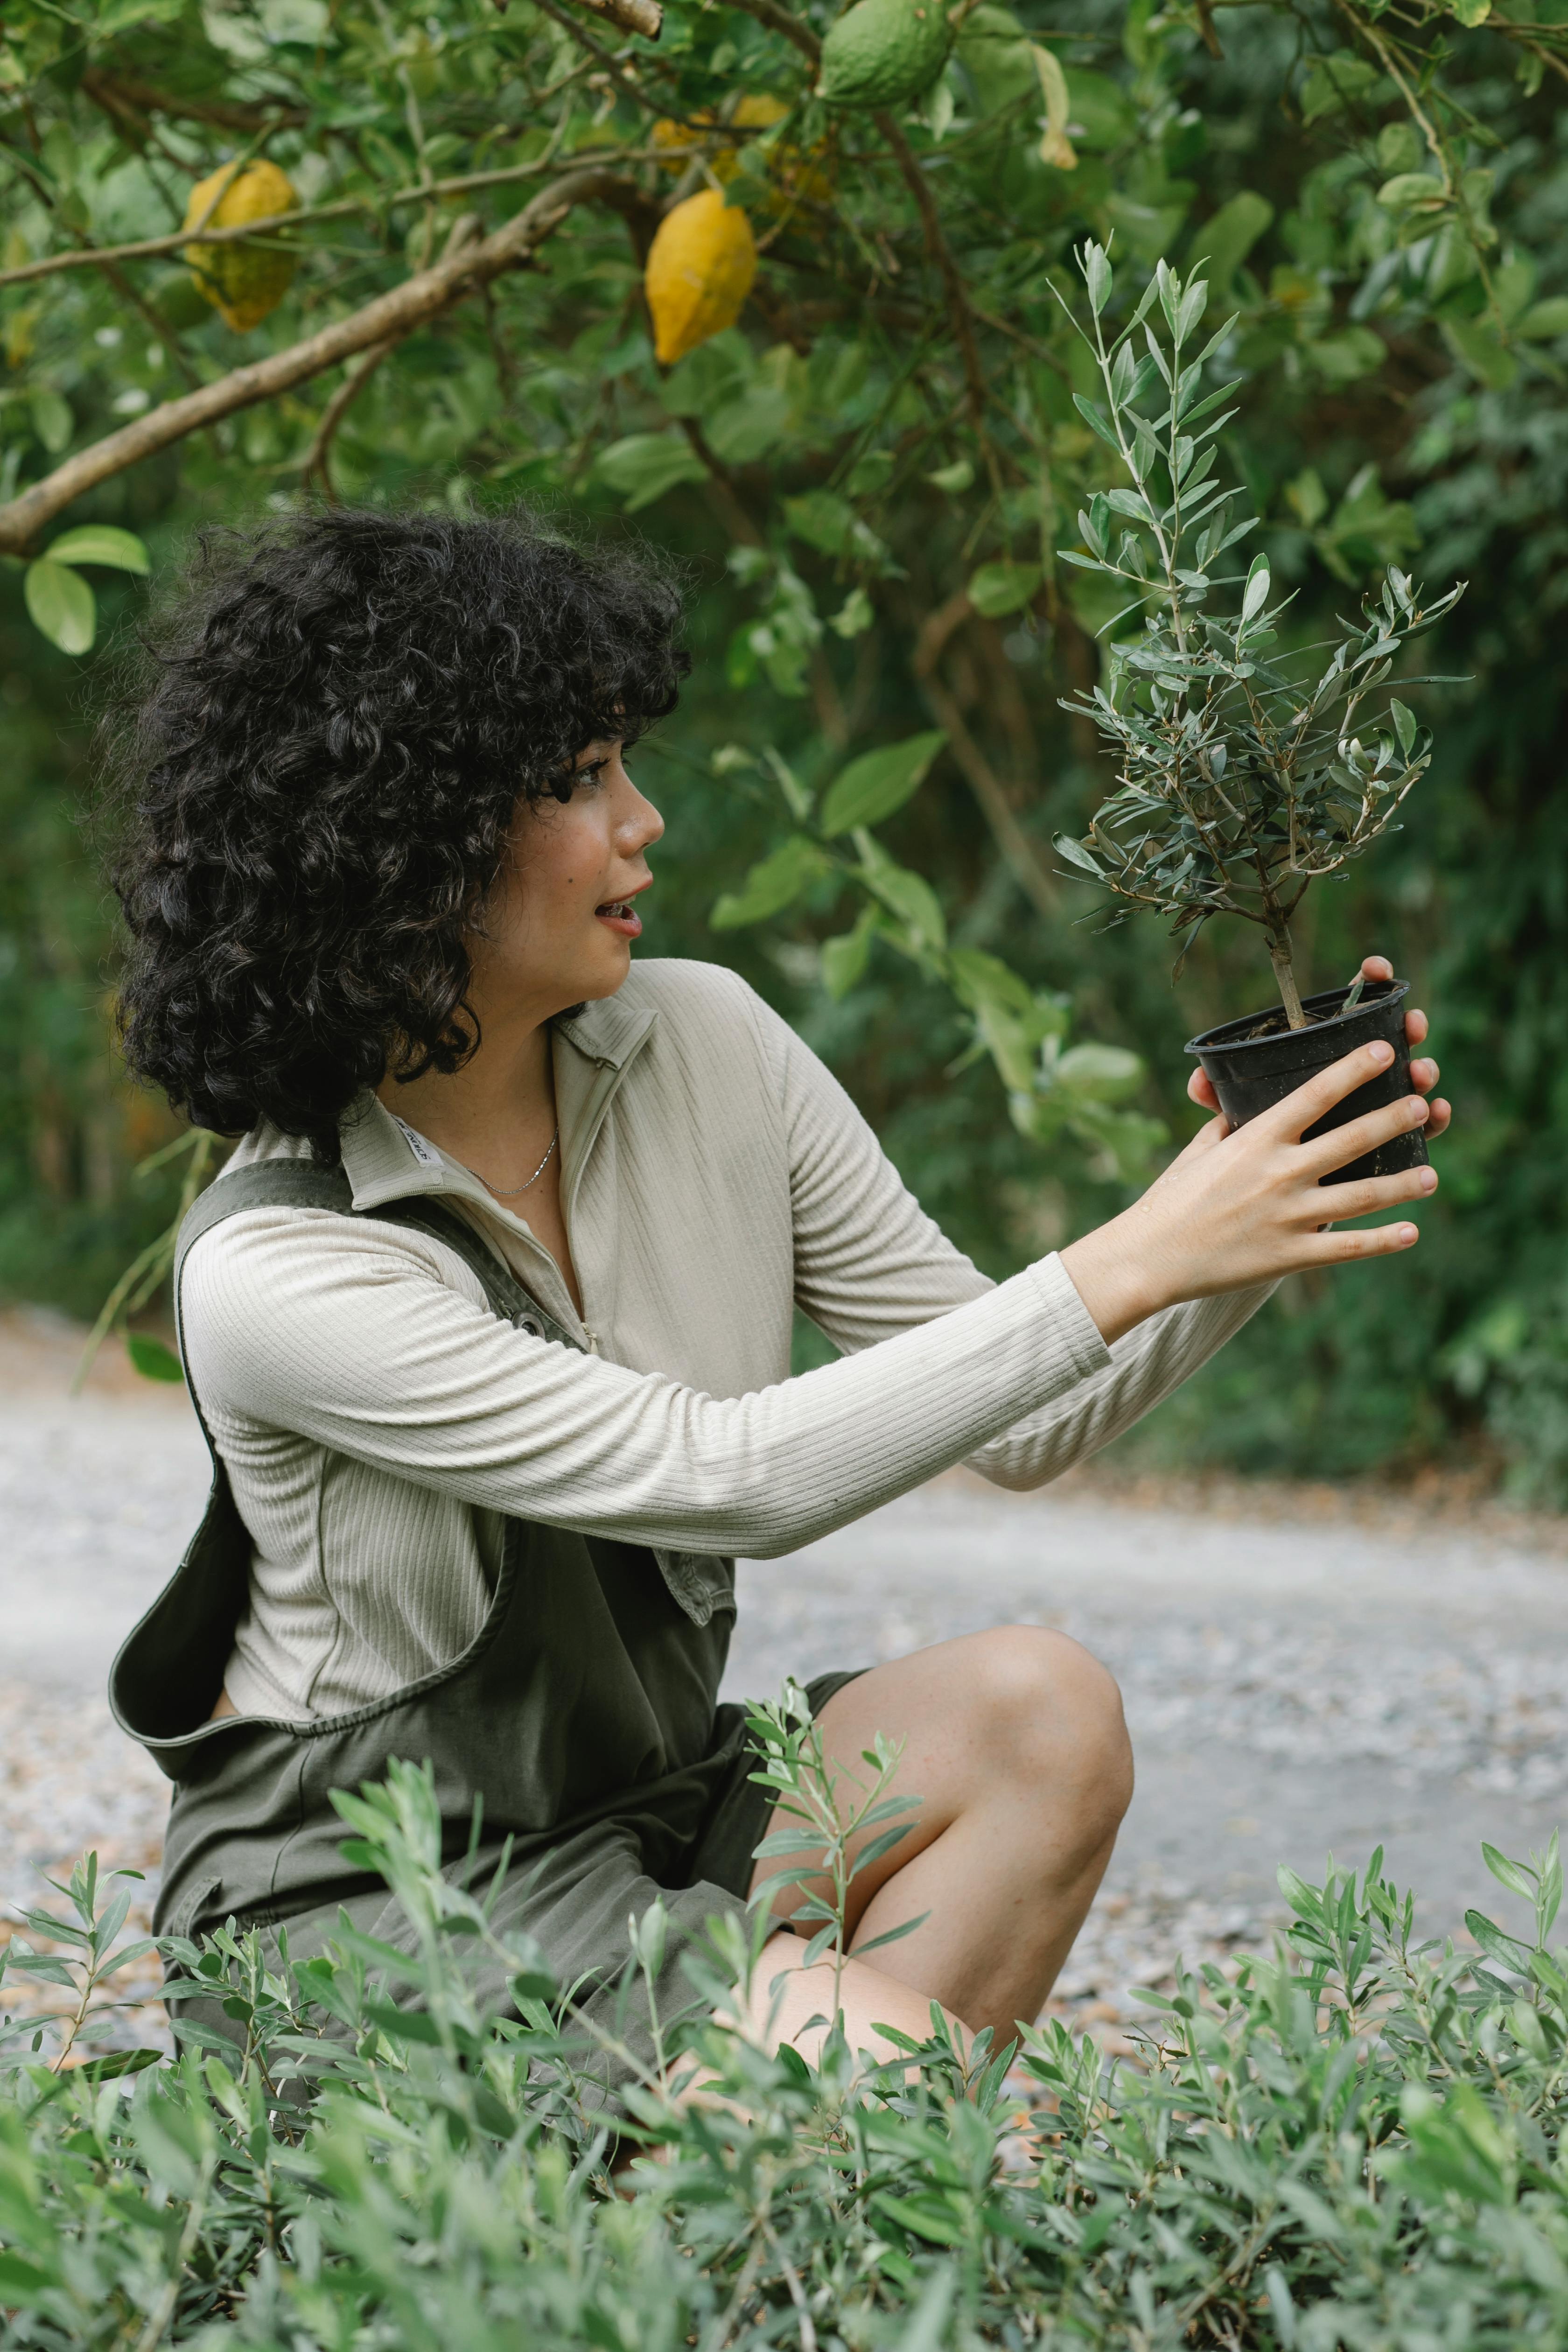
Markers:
point(1145, 1366)
point(356, 1342)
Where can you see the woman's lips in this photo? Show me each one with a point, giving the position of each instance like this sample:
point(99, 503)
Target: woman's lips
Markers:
point(620, 914)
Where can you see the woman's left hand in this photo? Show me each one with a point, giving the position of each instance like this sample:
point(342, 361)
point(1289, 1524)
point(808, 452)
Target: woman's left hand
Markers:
point(1423, 1071)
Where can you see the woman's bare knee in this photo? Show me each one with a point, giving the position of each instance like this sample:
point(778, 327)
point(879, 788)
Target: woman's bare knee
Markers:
point(1050, 1715)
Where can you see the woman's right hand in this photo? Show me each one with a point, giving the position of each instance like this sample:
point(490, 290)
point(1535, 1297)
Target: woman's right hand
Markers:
point(1237, 1209)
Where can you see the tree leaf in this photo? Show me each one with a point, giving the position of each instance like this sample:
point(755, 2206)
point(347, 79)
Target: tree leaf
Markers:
point(1077, 855)
point(1097, 421)
point(1505, 1949)
point(1544, 322)
point(1227, 238)
point(152, 1358)
point(872, 787)
point(102, 542)
point(1411, 190)
point(1100, 1073)
point(119, 2062)
point(51, 418)
point(1478, 343)
point(892, 1935)
point(928, 2215)
point(771, 886)
point(911, 898)
point(1256, 594)
point(999, 588)
point(1511, 1875)
point(61, 604)
point(1335, 81)
point(844, 961)
point(747, 428)
point(645, 465)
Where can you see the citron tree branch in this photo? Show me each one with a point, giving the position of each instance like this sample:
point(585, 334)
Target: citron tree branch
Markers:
point(419, 298)
point(606, 62)
point(942, 254)
point(779, 20)
point(158, 248)
point(464, 232)
point(644, 16)
point(1018, 851)
point(316, 466)
point(122, 98)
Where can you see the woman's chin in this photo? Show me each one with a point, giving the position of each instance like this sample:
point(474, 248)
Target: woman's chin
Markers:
point(602, 974)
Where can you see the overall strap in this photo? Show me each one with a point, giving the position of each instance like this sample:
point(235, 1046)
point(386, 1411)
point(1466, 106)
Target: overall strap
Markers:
point(306, 1184)
point(170, 1667)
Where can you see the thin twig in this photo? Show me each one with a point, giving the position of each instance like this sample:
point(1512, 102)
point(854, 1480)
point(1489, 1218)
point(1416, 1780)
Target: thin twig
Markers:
point(1018, 851)
point(779, 20)
point(164, 2310)
point(1375, 40)
point(605, 61)
point(1014, 843)
point(940, 252)
point(797, 2291)
point(316, 466)
point(122, 98)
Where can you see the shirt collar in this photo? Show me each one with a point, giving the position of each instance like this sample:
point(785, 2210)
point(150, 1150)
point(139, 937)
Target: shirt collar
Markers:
point(609, 1031)
point(386, 1159)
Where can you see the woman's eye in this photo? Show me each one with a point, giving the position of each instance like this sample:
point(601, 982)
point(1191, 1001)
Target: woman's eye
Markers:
point(564, 786)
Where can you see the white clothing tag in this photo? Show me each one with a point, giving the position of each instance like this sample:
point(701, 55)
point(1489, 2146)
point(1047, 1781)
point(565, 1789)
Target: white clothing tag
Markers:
point(426, 1153)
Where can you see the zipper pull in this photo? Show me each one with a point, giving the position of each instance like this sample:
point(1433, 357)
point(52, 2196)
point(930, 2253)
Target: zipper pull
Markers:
point(593, 1339)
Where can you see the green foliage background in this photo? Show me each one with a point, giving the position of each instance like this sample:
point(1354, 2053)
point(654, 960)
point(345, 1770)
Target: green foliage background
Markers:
point(1382, 191)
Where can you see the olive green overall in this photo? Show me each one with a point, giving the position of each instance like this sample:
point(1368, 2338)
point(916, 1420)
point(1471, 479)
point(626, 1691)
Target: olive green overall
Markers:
point(583, 1714)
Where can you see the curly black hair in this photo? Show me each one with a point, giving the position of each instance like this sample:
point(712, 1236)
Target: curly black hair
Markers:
point(314, 766)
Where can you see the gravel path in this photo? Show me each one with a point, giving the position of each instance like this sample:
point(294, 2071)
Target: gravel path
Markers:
point(1297, 1682)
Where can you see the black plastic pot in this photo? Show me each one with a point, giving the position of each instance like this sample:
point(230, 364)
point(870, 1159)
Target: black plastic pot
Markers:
point(1256, 1061)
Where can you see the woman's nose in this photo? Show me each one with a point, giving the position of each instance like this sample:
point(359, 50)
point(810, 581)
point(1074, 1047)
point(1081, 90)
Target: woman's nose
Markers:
point(643, 825)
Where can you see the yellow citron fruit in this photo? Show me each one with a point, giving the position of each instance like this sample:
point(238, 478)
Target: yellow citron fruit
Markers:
point(797, 177)
point(754, 112)
point(699, 271)
point(244, 282)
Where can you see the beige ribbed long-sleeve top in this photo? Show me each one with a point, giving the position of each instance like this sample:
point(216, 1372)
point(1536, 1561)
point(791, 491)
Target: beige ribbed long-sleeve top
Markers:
point(377, 1421)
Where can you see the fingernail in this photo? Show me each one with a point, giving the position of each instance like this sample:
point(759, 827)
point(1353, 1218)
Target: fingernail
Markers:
point(1428, 1180)
point(1381, 1052)
point(1417, 1113)
point(1408, 1233)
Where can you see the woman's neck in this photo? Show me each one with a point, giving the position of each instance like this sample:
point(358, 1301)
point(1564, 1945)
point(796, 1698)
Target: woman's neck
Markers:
point(493, 1112)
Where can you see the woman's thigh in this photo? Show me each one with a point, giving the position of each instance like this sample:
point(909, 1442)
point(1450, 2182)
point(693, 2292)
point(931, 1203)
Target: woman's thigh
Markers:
point(1016, 1718)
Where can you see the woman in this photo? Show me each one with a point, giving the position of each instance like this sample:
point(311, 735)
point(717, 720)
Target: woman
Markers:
point(488, 1317)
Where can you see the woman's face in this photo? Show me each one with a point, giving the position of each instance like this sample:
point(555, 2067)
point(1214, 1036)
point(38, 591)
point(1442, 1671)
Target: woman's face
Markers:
point(560, 924)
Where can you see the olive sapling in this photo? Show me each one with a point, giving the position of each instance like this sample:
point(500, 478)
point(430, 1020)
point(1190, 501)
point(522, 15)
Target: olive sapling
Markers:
point(1241, 778)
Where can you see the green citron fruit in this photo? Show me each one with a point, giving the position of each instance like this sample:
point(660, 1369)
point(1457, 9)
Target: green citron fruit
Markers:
point(884, 52)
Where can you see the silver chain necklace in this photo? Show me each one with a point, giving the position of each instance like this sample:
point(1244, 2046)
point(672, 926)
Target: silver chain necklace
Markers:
point(516, 1189)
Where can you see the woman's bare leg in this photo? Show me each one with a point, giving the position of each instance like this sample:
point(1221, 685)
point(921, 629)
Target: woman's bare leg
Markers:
point(1015, 1740)
point(789, 2003)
